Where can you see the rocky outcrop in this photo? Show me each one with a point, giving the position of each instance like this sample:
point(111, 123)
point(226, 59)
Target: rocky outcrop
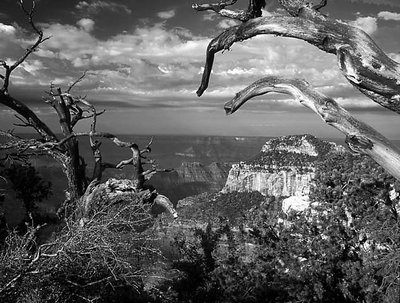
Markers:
point(295, 204)
point(288, 182)
point(284, 167)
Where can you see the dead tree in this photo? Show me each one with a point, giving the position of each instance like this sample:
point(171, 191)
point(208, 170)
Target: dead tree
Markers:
point(64, 148)
point(361, 61)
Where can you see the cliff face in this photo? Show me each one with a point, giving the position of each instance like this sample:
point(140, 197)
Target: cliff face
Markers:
point(284, 167)
point(246, 178)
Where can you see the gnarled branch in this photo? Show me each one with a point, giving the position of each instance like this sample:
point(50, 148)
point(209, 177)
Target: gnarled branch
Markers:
point(362, 62)
point(40, 39)
point(253, 10)
point(11, 102)
point(361, 136)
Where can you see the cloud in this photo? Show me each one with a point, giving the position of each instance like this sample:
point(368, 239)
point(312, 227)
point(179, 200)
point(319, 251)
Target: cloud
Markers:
point(226, 23)
point(209, 16)
point(161, 66)
point(385, 15)
point(10, 46)
point(166, 14)
point(394, 56)
point(96, 6)
point(32, 66)
point(86, 24)
point(368, 24)
point(392, 3)
point(7, 29)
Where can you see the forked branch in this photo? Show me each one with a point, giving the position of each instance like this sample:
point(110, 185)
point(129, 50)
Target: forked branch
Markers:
point(361, 61)
point(5, 98)
point(39, 40)
point(361, 137)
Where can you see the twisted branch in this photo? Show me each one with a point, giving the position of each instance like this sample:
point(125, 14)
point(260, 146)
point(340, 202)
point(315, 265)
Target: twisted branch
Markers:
point(253, 10)
point(361, 137)
point(16, 105)
point(361, 61)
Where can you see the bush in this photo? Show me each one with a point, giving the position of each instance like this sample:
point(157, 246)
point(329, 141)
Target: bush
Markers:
point(103, 258)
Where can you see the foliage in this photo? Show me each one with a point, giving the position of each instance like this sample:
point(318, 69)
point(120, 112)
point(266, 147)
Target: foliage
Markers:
point(230, 206)
point(278, 153)
point(102, 258)
point(343, 249)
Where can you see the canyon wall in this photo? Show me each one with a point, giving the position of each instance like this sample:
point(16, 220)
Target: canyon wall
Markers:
point(284, 167)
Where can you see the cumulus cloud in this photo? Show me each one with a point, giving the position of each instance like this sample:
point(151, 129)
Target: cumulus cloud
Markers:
point(166, 14)
point(142, 66)
point(389, 16)
point(96, 6)
point(368, 24)
point(86, 24)
point(7, 29)
point(32, 66)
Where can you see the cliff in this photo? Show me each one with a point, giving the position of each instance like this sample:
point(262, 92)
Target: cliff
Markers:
point(288, 182)
point(284, 167)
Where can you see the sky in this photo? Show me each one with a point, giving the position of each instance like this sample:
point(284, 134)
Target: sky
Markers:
point(144, 61)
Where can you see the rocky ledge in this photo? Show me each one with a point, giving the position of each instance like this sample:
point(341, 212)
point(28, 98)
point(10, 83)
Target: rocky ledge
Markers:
point(284, 167)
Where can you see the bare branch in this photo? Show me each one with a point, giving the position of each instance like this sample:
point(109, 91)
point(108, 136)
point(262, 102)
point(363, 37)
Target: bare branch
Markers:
point(29, 115)
point(362, 62)
point(322, 4)
point(79, 116)
point(40, 39)
point(148, 174)
point(23, 146)
point(147, 149)
point(76, 82)
point(362, 137)
point(215, 6)
point(109, 136)
point(253, 10)
point(124, 163)
point(24, 122)
point(14, 104)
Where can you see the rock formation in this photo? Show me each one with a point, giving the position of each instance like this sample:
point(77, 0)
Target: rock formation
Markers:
point(288, 182)
point(284, 167)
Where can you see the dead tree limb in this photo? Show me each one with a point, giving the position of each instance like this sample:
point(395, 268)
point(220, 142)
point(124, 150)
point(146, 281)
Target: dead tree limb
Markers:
point(13, 103)
point(253, 10)
point(361, 137)
point(361, 61)
point(70, 110)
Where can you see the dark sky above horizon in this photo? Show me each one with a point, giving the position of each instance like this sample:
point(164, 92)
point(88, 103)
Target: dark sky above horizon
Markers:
point(145, 58)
